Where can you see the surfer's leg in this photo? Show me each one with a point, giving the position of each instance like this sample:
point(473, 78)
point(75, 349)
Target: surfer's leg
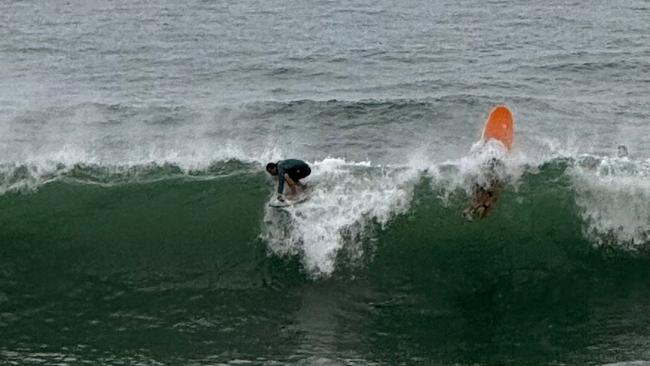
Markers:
point(303, 172)
point(297, 176)
point(489, 200)
point(481, 203)
point(291, 183)
point(483, 210)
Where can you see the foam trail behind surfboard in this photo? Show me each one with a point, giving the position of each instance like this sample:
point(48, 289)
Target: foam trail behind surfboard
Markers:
point(346, 197)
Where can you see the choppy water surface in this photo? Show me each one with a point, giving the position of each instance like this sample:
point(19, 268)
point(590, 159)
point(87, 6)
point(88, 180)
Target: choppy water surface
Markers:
point(134, 225)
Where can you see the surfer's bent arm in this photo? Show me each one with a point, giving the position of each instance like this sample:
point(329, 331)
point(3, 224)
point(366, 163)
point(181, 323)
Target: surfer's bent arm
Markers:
point(281, 180)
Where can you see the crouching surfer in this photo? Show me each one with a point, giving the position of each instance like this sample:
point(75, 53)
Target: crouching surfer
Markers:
point(290, 171)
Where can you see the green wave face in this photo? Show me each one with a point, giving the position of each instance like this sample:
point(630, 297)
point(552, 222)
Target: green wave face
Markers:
point(176, 227)
point(151, 255)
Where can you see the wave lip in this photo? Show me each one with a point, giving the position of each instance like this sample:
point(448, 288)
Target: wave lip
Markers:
point(614, 194)
point(29, 177)
point(608, 199)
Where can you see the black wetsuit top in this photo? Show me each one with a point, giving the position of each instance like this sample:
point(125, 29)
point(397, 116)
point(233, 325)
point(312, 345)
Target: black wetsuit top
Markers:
point(296, 169)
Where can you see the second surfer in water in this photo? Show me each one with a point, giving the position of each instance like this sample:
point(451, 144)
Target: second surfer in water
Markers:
point(496, 139)
point(485, 195)
point(289, 171)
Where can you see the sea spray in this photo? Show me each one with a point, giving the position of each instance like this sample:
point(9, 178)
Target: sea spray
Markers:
point(614, 194)
point(346, 197)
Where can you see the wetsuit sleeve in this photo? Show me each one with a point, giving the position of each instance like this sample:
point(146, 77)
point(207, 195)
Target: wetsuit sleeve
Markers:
point(280, 179)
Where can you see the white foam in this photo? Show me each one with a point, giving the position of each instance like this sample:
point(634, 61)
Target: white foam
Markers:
point(38, 167)
point(46, 137)
point(346, 197)
point(465, 172)
point(14, 177)
point(614, 195)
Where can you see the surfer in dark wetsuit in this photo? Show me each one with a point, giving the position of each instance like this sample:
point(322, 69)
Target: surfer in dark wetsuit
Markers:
point(291, 171)
point(486, 195)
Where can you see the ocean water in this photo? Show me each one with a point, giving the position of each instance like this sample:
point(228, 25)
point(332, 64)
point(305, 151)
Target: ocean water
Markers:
point(134, 218)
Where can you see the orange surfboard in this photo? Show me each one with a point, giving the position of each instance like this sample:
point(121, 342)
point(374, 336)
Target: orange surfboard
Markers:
point(500, 126)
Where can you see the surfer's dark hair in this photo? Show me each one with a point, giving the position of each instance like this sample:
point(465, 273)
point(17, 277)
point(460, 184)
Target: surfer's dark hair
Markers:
point(271, 166)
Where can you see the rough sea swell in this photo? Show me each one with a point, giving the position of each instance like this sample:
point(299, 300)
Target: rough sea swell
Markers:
point(164, 220)
point(134, 218)
point(145, 253)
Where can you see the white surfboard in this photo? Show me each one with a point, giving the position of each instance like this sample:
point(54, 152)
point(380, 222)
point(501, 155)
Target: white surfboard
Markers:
point(294, 200)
